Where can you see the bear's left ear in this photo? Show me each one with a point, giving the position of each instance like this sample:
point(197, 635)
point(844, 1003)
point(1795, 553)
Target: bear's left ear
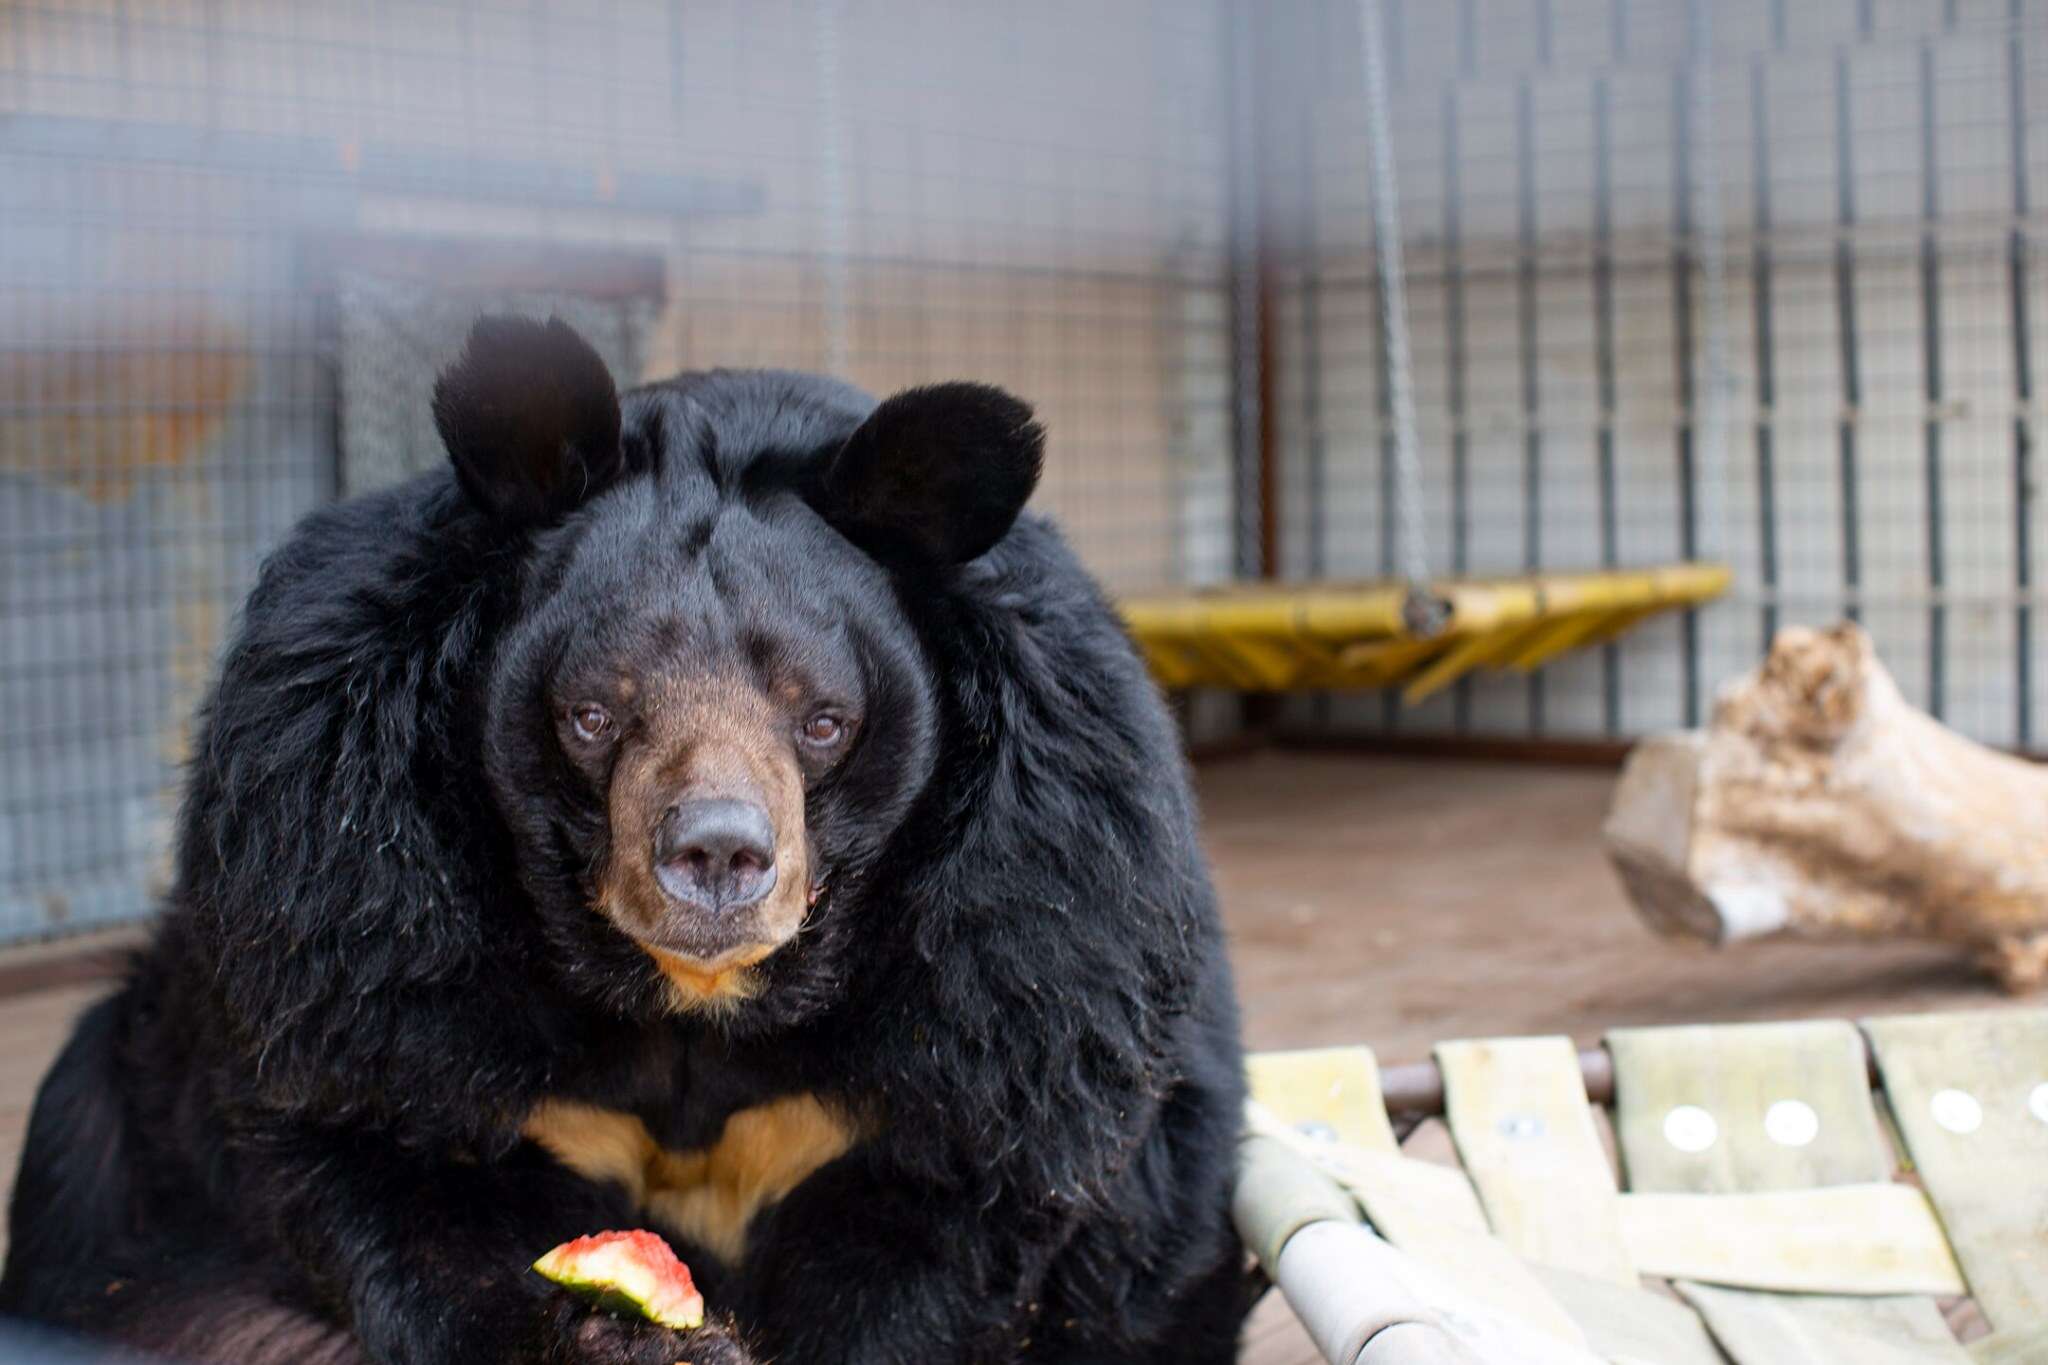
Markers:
point(935, 475)
point(530, 418)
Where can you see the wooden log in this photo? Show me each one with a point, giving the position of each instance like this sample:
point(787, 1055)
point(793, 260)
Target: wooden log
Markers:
point(1819, 803)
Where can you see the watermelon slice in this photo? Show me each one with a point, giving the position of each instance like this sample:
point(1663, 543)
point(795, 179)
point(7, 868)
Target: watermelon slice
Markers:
point(629, 1272)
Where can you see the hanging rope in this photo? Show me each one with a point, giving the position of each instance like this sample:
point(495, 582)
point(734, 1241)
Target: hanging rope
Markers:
point(832, 173)
point(1423, 613)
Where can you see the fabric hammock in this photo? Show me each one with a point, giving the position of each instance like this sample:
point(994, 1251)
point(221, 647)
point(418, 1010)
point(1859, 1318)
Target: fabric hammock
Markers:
point(1780, 1199)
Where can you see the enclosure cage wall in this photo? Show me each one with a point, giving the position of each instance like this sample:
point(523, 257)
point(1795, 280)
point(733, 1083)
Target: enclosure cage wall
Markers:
point(1744, 280)
point(237, 237)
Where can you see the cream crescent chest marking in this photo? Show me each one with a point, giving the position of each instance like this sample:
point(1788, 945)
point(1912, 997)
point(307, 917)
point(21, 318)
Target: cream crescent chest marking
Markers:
point(708, 1194)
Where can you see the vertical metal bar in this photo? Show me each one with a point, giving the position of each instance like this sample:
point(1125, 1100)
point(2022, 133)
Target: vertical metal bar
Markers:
point(1766, 347)
point(124, 52)
point(1688, 394)
point(1711, 384)
point(466, 30)
point(1246, 418)
point(678, 91)
point(1468, 37)
point(1866, 18)
point(1617, 29)
point(537, 34)
point(1410, 542)
point(1525, 309)
point(1383, 410)
point(834, 188)
point(1311, 276)
point(1545, 39)
point(1315, 442)
point(1397, 40)
point(1454, 335)
point(1267, 323)
point(2023, 388)
point(210, 60)
point(1778, 24)
point(1603, 362)
point(1930, 347)
point(1845, 324)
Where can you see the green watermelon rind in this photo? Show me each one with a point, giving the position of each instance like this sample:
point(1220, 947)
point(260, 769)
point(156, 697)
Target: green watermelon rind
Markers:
point(610, 1293)
point(614, 1300)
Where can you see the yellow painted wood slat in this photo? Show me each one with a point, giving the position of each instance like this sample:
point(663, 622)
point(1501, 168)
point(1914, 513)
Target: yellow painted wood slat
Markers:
point(1454, 663)
point(1337, 1087)
point(1567, 634)
point(1518, 1112)
point(1845, 1239)
point(1970, 1095)
point(1383, 663)
point(1619, 624)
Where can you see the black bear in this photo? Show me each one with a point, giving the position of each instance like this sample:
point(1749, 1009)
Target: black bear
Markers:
point(719, 810)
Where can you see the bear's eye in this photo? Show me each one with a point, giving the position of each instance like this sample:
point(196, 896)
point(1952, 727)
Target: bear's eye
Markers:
point(823, 730)
point(591, 721)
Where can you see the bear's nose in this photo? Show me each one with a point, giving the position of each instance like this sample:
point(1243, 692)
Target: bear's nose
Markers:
point(715, 855)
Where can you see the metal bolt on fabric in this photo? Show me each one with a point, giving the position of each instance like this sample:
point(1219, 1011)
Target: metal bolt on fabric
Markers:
point(1957, 1111)
point(1791, 1123)
point(1690, 1128)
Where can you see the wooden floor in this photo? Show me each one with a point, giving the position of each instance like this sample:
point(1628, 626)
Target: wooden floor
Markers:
point(1395, 903)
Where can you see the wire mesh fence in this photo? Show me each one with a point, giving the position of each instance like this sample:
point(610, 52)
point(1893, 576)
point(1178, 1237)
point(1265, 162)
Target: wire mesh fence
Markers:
point(238, 236)
point(1838, 199)
point(1747, 279)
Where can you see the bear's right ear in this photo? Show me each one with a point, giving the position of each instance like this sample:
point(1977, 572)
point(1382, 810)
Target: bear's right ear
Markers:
point(530, 418)
point(936, 475)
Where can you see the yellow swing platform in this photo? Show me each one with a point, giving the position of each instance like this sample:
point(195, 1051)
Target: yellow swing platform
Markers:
point(1419, 632)
point(1278, 637)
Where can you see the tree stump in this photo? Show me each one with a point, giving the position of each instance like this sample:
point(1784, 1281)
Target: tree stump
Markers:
point(1819, 803)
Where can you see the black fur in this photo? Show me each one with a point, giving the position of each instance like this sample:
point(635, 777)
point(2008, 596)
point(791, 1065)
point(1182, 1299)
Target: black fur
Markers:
point(294, 1135)
point(935, 475)
point(530, 419)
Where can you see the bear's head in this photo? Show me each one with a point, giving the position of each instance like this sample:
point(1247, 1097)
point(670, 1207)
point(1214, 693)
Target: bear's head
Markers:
point(711, 707)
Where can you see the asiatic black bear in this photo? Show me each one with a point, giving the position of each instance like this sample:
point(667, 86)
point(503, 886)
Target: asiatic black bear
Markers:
point(718, 810)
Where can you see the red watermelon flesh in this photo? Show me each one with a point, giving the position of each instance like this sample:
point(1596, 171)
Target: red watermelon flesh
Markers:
point(628, 1271)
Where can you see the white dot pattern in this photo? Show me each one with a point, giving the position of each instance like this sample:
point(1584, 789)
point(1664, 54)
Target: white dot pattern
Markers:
point(1690, 1128)
point(1957, 1111)
point(1791, 1123)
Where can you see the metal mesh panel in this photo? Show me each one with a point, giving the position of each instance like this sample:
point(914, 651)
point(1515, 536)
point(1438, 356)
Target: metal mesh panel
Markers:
point(1034, 196)
point(163, 418)
point(1874, 168)
point(393, 341)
